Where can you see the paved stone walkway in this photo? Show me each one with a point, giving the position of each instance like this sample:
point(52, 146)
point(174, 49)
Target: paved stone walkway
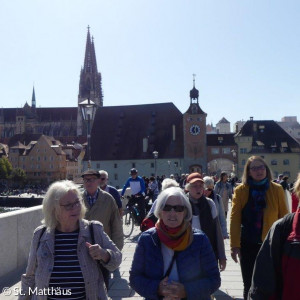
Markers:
point(231, 287)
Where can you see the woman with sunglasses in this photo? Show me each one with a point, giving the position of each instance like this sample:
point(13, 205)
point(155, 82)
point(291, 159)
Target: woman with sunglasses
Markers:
point(66, 251)
point(173, 260)
point(257, 203)
point(210, 193)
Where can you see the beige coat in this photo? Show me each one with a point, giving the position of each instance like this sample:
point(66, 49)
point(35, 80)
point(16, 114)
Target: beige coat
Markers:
point(41, 260)
point(105, 210)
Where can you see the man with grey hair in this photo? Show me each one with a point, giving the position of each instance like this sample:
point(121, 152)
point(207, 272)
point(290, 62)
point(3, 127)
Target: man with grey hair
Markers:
point(110, 189)
point(205, 216)
point(102, 207)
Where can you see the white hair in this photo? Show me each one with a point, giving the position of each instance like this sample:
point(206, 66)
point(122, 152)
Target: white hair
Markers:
point(168, 182)
point(166, 194)
point(208, 181)
point(51, 206)
point(102, 172)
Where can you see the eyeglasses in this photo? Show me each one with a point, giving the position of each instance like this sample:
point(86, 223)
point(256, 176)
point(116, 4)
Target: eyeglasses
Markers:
point(70, 206)
point(177, 208)
point(209, 190)
point(103, 178)
point(86, 180)
point(258, 168)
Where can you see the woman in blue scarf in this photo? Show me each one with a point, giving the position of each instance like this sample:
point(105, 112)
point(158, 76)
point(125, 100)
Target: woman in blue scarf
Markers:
point(257, 203)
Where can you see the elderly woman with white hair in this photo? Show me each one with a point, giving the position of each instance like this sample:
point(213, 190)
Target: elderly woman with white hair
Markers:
point(173, 260)
point(66, 250)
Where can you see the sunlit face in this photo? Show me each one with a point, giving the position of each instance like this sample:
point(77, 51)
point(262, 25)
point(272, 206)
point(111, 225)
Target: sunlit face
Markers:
point(257, 170)
point(225, 178)
point(196, 189)
point(172, 218)
point(70, 209)
point(91, 183)
point(103, 181)
point(208, 191)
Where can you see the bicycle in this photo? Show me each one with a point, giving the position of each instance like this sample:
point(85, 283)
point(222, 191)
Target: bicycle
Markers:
point(130, 218)
point(132, 215)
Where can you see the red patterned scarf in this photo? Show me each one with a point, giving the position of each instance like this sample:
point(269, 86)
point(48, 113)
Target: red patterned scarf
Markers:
point(177, 238)
point(295, 234)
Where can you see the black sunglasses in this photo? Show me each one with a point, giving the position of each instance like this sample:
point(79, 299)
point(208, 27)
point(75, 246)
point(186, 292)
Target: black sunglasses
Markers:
point(177, 208)
point(210, 190)
point(103, 178)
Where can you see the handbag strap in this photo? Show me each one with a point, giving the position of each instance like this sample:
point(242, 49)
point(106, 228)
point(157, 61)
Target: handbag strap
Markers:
point(171, 264)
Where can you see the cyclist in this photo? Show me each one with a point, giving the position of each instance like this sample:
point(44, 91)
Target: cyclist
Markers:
point(137, 186)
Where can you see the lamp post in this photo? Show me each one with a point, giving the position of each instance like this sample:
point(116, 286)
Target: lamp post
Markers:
point(155, 155)
point(88, 109)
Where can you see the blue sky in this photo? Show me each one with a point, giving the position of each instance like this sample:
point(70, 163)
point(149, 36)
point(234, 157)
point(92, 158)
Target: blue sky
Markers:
point(245, 54)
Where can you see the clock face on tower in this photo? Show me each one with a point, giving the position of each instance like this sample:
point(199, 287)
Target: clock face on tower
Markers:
point(194, 129)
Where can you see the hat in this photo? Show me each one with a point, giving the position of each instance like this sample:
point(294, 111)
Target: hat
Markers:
point(133, 171)
point(194, 177)
point(91, 172)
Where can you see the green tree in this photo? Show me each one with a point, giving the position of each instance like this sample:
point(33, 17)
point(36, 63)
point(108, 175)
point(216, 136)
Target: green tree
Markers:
point(5, 168)
point(18, 176)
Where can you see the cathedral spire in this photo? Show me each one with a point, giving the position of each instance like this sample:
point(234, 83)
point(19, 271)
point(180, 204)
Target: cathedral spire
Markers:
point(33, 101)
point(90, 78)
point(90, 84)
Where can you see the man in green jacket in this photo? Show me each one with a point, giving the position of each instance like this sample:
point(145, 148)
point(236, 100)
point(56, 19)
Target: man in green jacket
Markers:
point(102, 207)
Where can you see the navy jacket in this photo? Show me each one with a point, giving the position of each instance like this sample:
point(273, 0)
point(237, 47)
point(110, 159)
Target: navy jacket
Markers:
point(197, 267)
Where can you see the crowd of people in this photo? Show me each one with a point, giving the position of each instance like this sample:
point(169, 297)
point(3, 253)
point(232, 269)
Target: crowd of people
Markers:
point(181, 253)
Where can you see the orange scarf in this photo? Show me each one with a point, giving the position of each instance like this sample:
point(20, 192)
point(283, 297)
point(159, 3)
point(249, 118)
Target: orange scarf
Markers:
point(178, 238)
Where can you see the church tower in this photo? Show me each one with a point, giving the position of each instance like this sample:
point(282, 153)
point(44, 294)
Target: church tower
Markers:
point(194, 133)
point(33, 101)
point(90, 84)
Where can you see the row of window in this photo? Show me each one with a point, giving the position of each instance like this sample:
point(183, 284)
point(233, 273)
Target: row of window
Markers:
point(51, 158)
point(217, 150)
point(274, 162)
point(39, 167)
point(39, 174)
point(133, 165)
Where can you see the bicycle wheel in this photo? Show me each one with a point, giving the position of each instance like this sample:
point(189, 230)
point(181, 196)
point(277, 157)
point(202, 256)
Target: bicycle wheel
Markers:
point(128, 223)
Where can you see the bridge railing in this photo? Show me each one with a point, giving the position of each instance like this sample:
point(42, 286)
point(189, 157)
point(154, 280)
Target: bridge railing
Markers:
point(16, 231)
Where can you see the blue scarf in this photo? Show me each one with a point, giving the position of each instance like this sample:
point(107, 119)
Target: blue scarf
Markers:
point(258, 191)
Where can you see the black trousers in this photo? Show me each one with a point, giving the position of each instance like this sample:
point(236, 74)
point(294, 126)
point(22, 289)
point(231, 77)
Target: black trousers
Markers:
point(141, 204)
point(249, 252)
point(106, 276)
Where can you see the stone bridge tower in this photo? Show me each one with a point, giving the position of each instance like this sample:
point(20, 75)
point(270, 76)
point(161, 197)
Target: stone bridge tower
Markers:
point(194, 134)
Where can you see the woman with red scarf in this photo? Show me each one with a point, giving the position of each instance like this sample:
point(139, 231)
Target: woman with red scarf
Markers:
point(173, 261)
point(276, 273)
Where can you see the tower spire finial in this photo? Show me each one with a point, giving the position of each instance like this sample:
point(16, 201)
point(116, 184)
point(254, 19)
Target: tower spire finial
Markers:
point(194, 75)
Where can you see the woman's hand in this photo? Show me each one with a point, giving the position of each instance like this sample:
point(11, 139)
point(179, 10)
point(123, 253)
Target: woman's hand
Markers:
point(162, 287)
point(98, 253)
point(171, 291)
point(222, 264)
point(176, 290)
point(236, 253)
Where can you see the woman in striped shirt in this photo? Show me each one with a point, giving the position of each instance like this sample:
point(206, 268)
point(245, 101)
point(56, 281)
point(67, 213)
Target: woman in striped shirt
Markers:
point(65, 251)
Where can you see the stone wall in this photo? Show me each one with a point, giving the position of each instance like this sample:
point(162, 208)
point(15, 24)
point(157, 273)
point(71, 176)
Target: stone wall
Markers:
point(16, 231)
